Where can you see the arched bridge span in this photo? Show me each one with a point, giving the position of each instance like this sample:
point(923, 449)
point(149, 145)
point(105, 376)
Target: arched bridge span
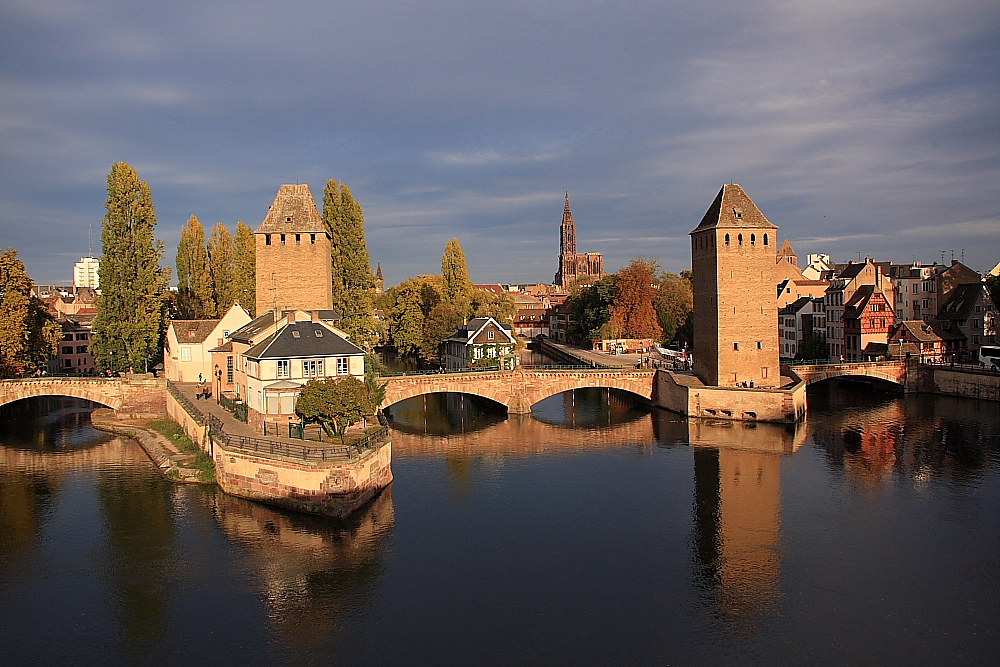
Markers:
point(518, 390)
point(887, 371)
point(138, 395)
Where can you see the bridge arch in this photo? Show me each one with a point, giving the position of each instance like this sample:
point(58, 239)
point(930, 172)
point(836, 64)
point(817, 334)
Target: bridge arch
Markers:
point(893, 372)
point(416, 390)
point(107, 394)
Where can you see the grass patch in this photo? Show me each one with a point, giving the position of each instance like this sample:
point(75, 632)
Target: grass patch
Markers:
point(173, 432)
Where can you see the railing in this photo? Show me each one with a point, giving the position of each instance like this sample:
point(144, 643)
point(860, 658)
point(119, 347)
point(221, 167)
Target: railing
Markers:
point(440, 371)
point(186, 403)
point(237, 407)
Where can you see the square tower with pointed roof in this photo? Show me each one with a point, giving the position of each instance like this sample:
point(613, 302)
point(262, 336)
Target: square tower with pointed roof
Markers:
point(735, 310)
point(294, 263)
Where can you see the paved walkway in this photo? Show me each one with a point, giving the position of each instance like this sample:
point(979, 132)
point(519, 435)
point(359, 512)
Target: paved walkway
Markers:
point(602, 359)
point(234, 426)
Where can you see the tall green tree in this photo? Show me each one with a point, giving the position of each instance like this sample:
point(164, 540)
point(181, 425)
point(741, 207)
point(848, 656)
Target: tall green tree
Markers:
point(353, 281)
point(28, 333)
point(222, 265)
point(674, 304)
point(457, 283)
point(245, 270)
point(130, 322)
point(500, 307)
point(195, 300)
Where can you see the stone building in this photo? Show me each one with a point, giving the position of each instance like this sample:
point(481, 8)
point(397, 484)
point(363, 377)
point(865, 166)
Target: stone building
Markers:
point(735, 312)
point(574, 267)
point(294, 266)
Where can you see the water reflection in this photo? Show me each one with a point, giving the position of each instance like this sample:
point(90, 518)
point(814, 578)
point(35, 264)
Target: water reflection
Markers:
point(49, 423)
point(312, 573)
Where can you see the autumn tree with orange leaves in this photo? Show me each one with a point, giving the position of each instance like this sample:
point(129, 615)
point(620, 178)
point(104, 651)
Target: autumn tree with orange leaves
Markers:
point(632, 311)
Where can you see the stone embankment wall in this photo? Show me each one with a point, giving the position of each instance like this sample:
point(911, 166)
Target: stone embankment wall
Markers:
point(334, 487)
point(930, 379)
point(328, 488)
point(687, 395)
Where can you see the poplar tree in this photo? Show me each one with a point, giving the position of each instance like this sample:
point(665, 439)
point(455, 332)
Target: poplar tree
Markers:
point(245, 270)
point(28, 333)
point(194, 277)
point(353, 282)
point(457, 284)
point(130, 322)
point(222, 265)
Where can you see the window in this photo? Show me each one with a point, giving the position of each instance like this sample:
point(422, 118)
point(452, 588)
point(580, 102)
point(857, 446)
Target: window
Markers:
point(312, 368)
point(312, 239)
point(760, 346)
point(81, 349)
point(185, 354)
point(67, 349)
point(727, 239)
point(288, 219)
point(83, 336)
point(341, 365)
point(736, 347)
point(739, 239)
point(753, 239)
point(229, 370)
point(284, 368)
point(282, 239)
point(926, 303)
point(975, 325)
point(267, 239)
point(489, 335)
point(765, 239)
point(69, 362)
point(68, 336)
point(764, 372)
point(298, 239)
point(738, 213)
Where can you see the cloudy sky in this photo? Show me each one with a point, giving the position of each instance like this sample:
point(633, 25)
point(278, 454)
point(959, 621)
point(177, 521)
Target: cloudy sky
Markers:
point(868, 126)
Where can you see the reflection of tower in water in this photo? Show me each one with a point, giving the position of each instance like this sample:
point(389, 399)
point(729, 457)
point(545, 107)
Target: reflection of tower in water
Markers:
point(737, 530)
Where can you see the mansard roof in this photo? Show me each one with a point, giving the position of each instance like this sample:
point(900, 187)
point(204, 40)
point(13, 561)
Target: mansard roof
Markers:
point(303, 339)
point(732, 208)
point(247, 332)
point(294, 210)
point(963, 298)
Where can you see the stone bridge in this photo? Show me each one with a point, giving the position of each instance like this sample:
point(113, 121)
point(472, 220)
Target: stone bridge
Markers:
point(518, 390)
point(887, 371)
point(135, 396)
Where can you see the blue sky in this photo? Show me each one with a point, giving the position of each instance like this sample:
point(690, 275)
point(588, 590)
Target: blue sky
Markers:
point(869, 127)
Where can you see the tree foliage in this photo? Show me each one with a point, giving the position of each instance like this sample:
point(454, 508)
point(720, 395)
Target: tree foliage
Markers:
point(591, 307)
point(632, 312)
point(674, 305)
point(993, 287)
point(814, 347)
point(28, 333)
point(335, 403)
point(353, 281)
point(500, 307)
point(222, 265)
point(457, 283)
point(440, 323)
point(245, 268)
point(195, 300)
point(130, 322)
point(407, 306)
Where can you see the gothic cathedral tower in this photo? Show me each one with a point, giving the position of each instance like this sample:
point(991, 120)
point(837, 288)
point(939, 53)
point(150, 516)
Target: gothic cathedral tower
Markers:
point(567, 248)
point(735, 310)
point(294, 264)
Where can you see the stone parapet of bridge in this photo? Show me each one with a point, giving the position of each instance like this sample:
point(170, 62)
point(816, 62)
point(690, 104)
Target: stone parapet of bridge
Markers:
point(518, 390)
point(132, 396)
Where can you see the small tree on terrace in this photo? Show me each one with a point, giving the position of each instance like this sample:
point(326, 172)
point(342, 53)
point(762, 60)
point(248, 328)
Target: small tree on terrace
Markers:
point(335, 403)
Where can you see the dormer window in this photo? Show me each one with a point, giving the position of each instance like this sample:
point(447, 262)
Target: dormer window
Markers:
point(288, 219)
point(738, 213)
point(319, 333)
point(295, 334)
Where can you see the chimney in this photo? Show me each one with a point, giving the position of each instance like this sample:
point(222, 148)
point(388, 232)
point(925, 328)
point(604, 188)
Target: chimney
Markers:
point(314, 315)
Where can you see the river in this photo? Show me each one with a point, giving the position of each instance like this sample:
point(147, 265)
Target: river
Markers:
point(594, 532)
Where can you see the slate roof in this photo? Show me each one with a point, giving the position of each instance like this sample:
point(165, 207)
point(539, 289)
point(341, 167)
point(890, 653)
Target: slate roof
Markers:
point(963, 298)
point(225, 347)
point(796, 306)
point(932, 331)
point(860, 298)
point(852, 270)
point(293, 210)
point(247, 332)
point(303, 339)
point(193, 331)
point(733, 208)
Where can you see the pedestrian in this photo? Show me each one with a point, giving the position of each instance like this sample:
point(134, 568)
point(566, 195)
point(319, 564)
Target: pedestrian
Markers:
point(200, 378)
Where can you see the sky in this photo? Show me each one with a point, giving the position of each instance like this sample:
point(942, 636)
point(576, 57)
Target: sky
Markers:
point(860, 128)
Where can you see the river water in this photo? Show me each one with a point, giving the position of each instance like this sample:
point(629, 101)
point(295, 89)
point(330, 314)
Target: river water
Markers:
point(595, 532)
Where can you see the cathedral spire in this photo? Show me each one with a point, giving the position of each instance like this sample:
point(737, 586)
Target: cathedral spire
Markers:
point(567, 231)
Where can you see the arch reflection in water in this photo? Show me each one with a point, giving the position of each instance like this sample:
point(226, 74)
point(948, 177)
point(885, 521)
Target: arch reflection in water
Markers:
point(313, 573)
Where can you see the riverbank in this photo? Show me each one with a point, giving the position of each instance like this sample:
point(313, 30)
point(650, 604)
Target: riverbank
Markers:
point(170, 460)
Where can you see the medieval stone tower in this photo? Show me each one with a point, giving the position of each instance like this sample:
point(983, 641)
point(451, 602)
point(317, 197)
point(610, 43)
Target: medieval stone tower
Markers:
point(293, 254)
point(735, 310)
